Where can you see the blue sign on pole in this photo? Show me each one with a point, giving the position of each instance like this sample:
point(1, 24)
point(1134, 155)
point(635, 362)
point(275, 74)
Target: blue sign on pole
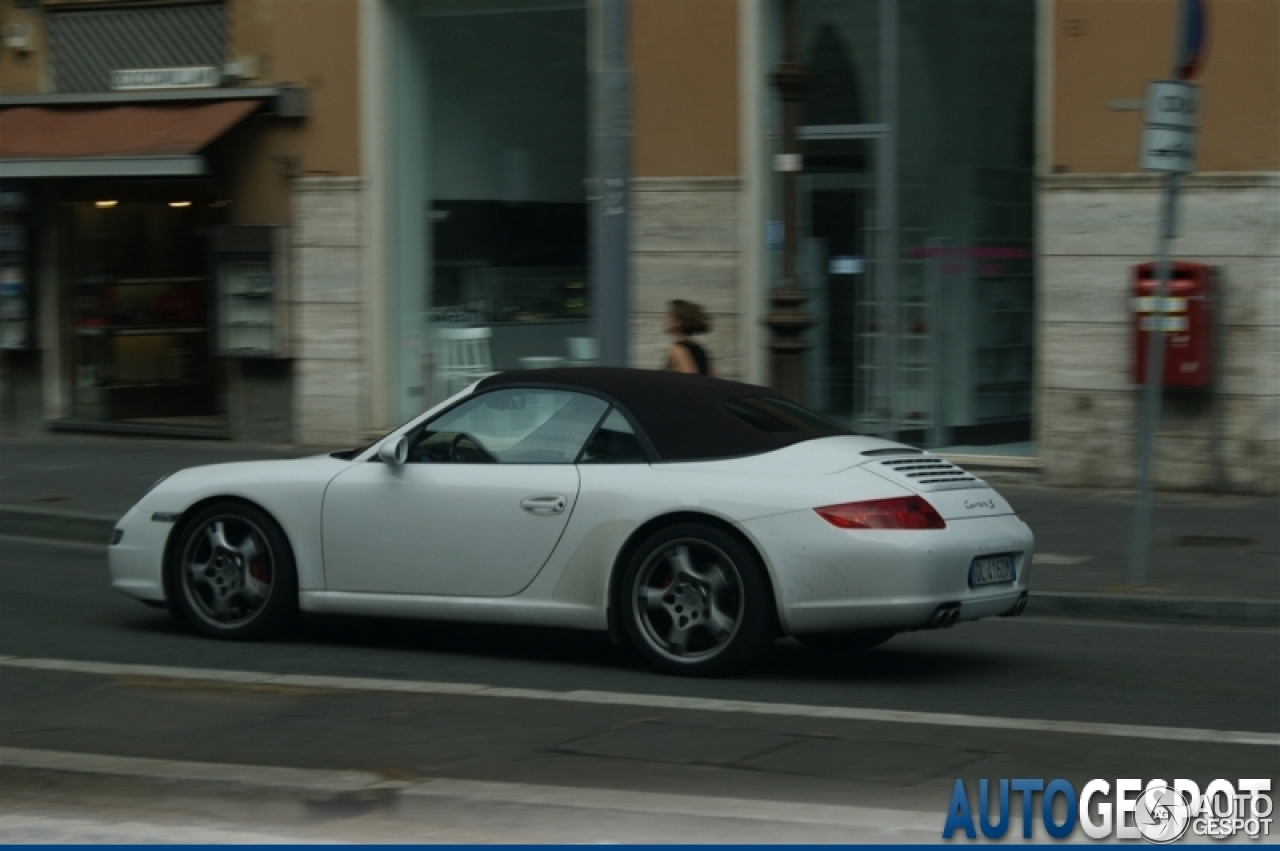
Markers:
point(1192, 28)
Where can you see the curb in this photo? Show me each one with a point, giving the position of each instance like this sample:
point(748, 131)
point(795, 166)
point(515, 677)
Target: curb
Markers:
point(1131, 607)
point(79, 527)
point(56, 524)
point(336, 786)
point(290, 780)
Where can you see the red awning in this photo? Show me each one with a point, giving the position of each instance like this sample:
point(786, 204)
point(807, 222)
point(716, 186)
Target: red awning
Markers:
point(38, 141)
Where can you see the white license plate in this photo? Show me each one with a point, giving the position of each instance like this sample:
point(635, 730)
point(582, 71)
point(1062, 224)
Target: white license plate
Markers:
point(990, 570)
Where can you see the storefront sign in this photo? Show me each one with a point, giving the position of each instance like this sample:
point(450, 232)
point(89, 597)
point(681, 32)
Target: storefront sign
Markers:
point(135, 79)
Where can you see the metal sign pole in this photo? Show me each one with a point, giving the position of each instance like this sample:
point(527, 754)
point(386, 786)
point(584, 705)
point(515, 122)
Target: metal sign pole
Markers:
point(1168, 146)
point(1140, 552)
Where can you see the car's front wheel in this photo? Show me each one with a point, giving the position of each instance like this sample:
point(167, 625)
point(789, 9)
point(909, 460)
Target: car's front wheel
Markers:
point(696, 600)
point(232, 573)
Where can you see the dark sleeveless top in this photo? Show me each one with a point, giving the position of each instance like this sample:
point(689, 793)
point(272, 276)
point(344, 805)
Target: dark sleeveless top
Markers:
point(700, 357)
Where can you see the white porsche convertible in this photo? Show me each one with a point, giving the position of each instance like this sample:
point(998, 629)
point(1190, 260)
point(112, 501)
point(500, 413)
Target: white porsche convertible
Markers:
point(693, 518)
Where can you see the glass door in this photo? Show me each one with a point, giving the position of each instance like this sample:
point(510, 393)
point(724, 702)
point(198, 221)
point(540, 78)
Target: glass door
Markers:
point(837, 213)
point(916, 218)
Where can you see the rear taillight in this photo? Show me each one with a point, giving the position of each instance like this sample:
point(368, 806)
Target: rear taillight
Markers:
point(907, 512)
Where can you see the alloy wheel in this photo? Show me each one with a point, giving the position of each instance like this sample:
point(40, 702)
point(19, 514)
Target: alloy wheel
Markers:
point(228, 571)
point(688, 600)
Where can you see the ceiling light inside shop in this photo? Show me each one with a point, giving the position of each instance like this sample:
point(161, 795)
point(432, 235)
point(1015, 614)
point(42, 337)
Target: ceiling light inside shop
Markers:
point(104, 205)
point(225, 202)
point(179, 203)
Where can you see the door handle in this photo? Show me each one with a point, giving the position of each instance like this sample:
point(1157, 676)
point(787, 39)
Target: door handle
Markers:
point(544, 505)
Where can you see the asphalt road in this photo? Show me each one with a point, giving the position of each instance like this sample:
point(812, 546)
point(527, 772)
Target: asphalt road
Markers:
point(57, 605)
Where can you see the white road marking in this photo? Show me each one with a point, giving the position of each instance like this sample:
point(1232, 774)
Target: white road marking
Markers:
point(1058, 559)
point(311, 781)
point(30, 829)
point(656, 701)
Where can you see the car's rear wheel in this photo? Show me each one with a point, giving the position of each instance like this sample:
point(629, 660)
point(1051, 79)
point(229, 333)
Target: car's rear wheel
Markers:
point(696, 600)
point(232, 573)
point(846, 642)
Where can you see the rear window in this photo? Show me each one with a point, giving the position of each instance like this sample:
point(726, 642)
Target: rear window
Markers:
point(778, 416)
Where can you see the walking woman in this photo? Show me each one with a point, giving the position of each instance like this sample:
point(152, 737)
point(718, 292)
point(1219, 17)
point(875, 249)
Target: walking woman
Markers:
point(684, 321)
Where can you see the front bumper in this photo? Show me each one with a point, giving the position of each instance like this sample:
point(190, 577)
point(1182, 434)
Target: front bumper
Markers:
point(136, 561)
point(830, 579)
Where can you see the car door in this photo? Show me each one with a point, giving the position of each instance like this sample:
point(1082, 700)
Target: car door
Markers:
point(477, 508)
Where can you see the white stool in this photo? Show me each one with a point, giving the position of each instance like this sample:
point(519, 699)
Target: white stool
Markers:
point(583, 351)
point(461, 357)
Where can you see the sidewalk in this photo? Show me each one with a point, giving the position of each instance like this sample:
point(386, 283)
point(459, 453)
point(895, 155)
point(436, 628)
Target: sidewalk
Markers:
point(1214, 558)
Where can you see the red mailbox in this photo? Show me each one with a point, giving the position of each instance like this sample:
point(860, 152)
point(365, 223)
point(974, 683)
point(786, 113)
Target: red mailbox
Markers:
point(1187, 315)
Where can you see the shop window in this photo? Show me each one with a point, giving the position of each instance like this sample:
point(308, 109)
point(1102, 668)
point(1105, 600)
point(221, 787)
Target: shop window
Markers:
point(140, 324)
point(493, 209)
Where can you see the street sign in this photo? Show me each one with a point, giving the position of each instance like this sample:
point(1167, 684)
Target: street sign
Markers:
point(1169, 140)
point(140, 79)
point(1191, 39)
point(1173, 104)
point(1168, 149)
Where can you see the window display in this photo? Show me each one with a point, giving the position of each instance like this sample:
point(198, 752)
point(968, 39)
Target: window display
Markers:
point(250, 269)
point(141, 344)
point(14, 319)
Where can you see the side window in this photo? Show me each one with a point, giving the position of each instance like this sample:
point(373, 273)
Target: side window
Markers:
point(510, 427)
point(615, 442)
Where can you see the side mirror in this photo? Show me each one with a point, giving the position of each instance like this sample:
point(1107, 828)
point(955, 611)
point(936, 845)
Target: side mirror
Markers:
point(394, 452)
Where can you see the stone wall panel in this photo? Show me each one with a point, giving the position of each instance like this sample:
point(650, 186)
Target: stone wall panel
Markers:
point(326, 421)
point(1093, 229)
point(1120, 218)
point(708, 279)
point(1085, 356)
point(326, 211)
point(327, 274)
point(689, 215)
point(330, 348)
point(1088, 440)
point(327, 332)
point(650, 352)
point(685, 245)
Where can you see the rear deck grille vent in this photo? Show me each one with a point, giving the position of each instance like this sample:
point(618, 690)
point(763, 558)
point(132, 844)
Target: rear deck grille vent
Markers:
point(928, 471)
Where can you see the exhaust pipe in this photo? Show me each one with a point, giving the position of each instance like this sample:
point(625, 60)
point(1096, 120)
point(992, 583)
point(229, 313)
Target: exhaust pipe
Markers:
point(944, 616)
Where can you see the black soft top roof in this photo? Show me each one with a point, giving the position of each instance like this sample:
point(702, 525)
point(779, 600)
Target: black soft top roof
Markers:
point(683, 416)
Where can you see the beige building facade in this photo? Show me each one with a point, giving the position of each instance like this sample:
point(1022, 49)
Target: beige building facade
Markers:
point(968, 209)
point(1100, 215)
point(183, 265)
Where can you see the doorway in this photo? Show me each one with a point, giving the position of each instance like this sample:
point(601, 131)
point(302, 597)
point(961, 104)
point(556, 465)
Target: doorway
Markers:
point(916, 218)
point(837, 249)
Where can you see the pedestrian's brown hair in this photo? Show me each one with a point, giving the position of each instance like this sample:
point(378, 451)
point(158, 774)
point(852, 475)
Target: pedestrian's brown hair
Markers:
point(692, 318)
